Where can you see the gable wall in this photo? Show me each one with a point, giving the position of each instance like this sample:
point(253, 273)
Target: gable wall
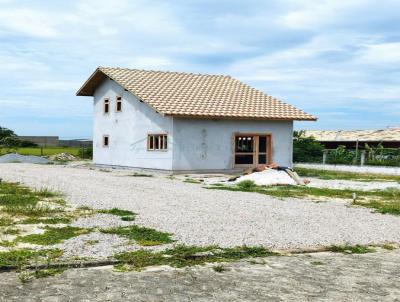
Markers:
point(128, 131)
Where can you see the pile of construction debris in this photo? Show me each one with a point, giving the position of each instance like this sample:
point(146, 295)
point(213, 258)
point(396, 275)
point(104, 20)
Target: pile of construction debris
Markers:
point(63, 157)
point(271, 175)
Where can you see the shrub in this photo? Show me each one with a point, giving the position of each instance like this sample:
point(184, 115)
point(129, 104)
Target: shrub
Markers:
point(306, 149)
point(247, 185)
point(85, 153)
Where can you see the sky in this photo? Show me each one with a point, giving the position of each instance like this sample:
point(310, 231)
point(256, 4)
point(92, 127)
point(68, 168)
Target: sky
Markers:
point(338, 60)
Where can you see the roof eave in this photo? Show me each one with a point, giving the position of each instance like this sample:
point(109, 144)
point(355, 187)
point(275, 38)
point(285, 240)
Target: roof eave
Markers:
point(91, 83)
point(227, 117)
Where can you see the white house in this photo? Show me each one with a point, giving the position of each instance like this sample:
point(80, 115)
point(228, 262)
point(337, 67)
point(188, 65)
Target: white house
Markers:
point(186, 122)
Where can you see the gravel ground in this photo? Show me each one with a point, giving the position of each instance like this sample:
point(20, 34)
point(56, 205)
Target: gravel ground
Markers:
point(347, 168)
point(199, 216)
point(350, 184)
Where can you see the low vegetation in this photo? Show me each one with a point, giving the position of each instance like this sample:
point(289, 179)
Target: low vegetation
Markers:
point(142, 235)
point(383, 201)
point(192, 181)
point(137, 174)
point(22, 257)
point(118, 212)
point(351, 249)
point(181, 256)
point(53, 235)
point(334, 175)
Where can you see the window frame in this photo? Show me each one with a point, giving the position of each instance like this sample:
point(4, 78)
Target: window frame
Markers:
point(106, 102)
point(106, 136)
point(118, 100)
point(161, 137)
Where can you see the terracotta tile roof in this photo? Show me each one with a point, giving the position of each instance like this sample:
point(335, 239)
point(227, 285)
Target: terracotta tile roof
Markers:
point(384, 135)
point(196, 95)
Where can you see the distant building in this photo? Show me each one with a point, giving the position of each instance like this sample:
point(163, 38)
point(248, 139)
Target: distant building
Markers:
point(389, 137)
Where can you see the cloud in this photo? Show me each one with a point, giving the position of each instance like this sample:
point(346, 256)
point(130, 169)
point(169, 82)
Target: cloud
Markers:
point(27, 22)
point(384, 53)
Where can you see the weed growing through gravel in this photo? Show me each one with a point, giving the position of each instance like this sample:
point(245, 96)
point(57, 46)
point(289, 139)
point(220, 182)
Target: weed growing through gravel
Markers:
point(384, 201)
point(192, 181)
point(136, 174)
point(19, 258)
point(118, 212)
point(219, 268)
point(317, 263)
point(351, 249)
point(181, 256)
point(53, 235)
point(388, 247)
point(51, 220)
point(142, 235)
point(390, 207)
point(334, 175)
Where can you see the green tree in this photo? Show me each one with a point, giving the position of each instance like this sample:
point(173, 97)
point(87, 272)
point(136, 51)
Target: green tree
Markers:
point(306, 148)
point(4, 132)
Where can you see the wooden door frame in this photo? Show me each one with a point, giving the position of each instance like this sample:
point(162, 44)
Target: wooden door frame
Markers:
point(255, 148)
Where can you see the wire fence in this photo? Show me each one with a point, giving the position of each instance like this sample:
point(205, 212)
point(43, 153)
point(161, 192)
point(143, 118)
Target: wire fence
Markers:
point(369, 156)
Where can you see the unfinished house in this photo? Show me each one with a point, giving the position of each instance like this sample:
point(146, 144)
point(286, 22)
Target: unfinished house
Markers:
point(186, 122)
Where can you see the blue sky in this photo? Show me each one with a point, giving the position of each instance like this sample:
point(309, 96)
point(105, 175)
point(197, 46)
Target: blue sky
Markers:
point(339, 60)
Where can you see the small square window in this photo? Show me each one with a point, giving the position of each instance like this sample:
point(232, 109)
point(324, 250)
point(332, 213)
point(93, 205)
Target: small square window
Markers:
point(157, 142)
point(118, 104)
point(106, 105)
point(106, 141)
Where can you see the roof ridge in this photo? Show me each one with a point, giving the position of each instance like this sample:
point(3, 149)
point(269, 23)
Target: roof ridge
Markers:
point(167, 71)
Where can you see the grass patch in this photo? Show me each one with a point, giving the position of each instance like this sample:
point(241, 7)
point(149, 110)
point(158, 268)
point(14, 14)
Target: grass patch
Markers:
point(192, 181)
point(181, 256)
point(23, 257)
point(136, 174)
point(219, 268)
point(390, 207)
point(11, 231)
point(5, 221)
point(118, 212)
point(53, 235)
point(44, 273)
point(142, 235)
point(128, 218)
point(388, 247)
point(317, 263)
point(351, 249)
point(302, 191)
point(50, 220)
point(334, 175)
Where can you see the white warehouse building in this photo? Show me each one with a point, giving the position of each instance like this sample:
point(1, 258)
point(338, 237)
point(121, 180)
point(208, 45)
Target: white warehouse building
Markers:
point(186, 122)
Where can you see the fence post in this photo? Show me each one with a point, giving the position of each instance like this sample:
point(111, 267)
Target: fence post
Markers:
point(362, 157)
point(324, 156)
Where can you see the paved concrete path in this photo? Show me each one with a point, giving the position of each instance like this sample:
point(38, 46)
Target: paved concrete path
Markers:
point(307, 277)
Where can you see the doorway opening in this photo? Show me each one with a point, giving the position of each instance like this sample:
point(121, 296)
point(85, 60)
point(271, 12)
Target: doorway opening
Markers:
point(252, 149)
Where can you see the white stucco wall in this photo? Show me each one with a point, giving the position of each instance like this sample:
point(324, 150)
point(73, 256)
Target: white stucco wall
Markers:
point(128, 131)
point(207, 144)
